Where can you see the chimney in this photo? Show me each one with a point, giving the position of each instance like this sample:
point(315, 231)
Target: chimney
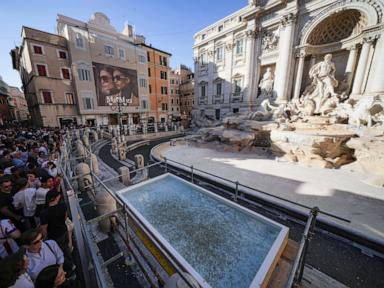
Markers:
point(128, 30)
point(139, 39)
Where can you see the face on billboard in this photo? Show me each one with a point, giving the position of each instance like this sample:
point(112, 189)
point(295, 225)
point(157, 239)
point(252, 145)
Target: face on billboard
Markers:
point(115, 84)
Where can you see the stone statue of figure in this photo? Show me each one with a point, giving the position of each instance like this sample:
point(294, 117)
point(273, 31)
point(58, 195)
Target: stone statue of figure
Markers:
point(266, 84)
point(323, 81)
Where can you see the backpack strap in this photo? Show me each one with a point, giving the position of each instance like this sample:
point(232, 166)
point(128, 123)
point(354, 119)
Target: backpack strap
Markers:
point(50, 248)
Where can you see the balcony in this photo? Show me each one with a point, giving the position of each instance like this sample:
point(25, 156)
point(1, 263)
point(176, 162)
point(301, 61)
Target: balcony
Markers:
point(237, 97)
point(218, 99)
point(203, 100)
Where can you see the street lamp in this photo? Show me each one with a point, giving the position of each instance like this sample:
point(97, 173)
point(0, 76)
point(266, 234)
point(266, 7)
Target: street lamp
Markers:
point(118, 103)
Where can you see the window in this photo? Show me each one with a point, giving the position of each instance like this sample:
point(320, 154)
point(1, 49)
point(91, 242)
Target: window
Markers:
point(172, 81)
point(164, 90)
point(163, 75)
point(122, 54)
point(177, 91)
point(143, 82)
point(203, 58)
point(219, 53)
point(237, 86)
point(88, 103)
point(69, 98)
point(42, 69)
point(62, 54)
point(163, 60)
point(150, 88)
point(172, 101)
point(203, 36)
point(149, 72)
point(65, 73)
point(148, 56)
point(164, 106)
point(203, 88)
point(217, 114)
point(144, 104)
point(47, 97)
point(38, 49)
point(141, 58)
point(239, 47)
point(79, 41)
point(220, 28)
point(177, 101)
point(109, 51)
point(218, 88)
point(84, 74)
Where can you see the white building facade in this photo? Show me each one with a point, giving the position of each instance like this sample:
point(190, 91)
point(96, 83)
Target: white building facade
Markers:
point(98, 53)
point(283, 40)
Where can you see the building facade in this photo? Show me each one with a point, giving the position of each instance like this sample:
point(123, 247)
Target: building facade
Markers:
point(5, 114)
point(159, 91)
point(110, 71)
point(20, 112)
point(45, 70)
point(187, 94)
point(277, 42)
point(174, 85)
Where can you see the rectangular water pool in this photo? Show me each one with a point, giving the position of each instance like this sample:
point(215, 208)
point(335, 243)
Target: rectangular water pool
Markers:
point(220, 243)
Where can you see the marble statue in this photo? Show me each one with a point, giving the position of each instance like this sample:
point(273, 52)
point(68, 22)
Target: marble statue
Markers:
point(323, 83)
point(266, 84)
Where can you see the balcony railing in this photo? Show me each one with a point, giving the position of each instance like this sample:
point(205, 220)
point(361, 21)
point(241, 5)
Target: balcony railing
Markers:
point(218, 99)
point(237, 97)
point(203, 100)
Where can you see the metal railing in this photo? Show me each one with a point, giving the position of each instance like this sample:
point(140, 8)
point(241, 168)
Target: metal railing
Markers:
point(92, 266)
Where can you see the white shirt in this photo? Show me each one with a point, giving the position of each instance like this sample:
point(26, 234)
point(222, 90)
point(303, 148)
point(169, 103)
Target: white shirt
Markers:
point(26, 199)
point(7, 228)
point(40, 195)
point(46, 257)
point(24, 281)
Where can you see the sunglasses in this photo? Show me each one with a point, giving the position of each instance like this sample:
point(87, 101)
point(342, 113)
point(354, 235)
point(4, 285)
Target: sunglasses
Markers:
point(37, 241)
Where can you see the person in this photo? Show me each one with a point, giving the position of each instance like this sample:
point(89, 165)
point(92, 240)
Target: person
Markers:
point(107, 85)
point(125, 88)
point(8, 234)
point(25, 199)
point(53, 225)
point(13, 271)
point(7, 210)
point(51, 277)
point(47, 183)
point(40, 253)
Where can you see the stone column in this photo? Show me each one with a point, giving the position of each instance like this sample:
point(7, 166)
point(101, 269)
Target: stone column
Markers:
point(376, 84)
point(351, 60)
point(284, 61)
point(362, 66)
point(299, 74)
point(250, 63)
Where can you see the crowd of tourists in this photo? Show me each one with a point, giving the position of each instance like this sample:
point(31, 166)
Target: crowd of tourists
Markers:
point(35, 231)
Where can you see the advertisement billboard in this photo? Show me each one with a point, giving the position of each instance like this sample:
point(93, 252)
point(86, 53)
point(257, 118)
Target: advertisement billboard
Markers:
point(115, 84)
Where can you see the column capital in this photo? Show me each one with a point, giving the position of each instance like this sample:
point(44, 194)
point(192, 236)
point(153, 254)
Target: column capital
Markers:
point(352, 47)
point(253, 33)
point(288, 19)
point(370, 39)
point(300, 54)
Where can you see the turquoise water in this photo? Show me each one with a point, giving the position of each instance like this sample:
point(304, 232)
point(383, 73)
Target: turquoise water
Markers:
point(225, 245)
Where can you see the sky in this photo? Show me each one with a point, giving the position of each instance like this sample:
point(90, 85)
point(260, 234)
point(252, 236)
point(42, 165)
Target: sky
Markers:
point(168, 25)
